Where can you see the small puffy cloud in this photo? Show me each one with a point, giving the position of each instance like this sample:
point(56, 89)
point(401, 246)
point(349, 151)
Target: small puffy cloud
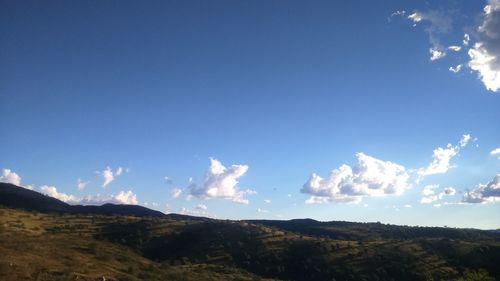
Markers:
point(221, 182)
point(485, 54)
point(447, 191)
point(370, 177)
point(125, 197)
point(267, 201)
point(201, 207)
point(8, 176)
point(465, 140)
point(429, 195)
point(484, 193)
point(81, 184)
point(455, 48)
point(495, 152)
point(455, 69)
point(259, 210)
point(436, 54)
point(108, 175)
point(442, 157)
point(52, 192)
point(176, 192)
point(416, 17)
point(466, 39)
point(119, 171)
point(408, 206)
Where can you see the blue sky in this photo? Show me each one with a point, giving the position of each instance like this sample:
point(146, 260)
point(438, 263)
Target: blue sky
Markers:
point(279, 89)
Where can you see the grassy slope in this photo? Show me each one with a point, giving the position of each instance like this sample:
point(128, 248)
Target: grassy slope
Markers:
point(38, 246)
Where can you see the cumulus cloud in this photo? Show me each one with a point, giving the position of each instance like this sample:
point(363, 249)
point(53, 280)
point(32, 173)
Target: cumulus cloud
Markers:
point(52, 192)
point(221, 182)
point(370, 177)
point(259, 210)
point(122, 197)
point(485, 54)
point(442, 157)
point(81, 184)
point(455, 48)
point(8, 176)
point(267, 201)
point(484, 193)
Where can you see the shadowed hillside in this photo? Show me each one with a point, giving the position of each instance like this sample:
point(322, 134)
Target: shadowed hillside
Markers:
point(42, 238)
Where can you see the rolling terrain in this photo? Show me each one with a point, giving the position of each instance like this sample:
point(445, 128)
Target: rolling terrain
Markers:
point(42, 238)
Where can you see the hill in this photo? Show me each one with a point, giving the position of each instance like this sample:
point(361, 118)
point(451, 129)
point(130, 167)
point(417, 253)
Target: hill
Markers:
point(69, 245)
point(22, 198)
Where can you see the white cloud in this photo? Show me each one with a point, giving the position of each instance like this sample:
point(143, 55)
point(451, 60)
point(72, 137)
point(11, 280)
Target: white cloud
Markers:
point(441, 161)
point(267, 201)
point(495, 151)
point(259, 210)
point(455, 69)
point(484, 193)
point(407, 206)
point(122, 197)
point(221, 182)
point(442, 157)
point(52, 192)
point(485, 55)
point(119, 171)
point(125, 197)
point(429, 195)
point(455, 48)
point(201, 207)
point(176, 192)
point(416, 17)
point(436, 54)
point(108, 175)
point(465, 140)
point(401, 13)
point(9, 176)
point(466, 39)
point(370, 177)
point(81, 184)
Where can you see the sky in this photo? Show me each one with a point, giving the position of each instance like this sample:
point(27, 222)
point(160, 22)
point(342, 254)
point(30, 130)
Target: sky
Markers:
point(331, 110)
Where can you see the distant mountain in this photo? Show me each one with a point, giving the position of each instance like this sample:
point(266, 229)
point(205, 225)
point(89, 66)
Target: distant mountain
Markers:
point(21, 198)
